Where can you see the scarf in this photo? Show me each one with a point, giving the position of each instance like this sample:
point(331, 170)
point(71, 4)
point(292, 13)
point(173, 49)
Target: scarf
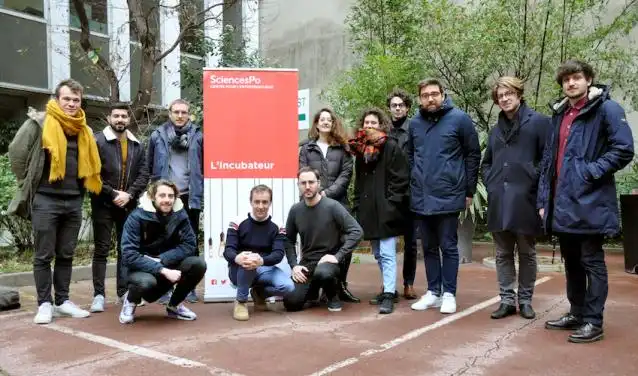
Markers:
point(178, 136)
point(367, 144)
point(57, 124)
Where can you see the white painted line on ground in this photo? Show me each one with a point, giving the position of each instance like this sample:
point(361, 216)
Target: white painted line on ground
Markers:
point(415, 333)
point(15, 314)
point(137, 350)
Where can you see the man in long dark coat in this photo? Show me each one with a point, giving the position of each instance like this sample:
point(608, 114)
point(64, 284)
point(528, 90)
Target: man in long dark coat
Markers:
point(510, 171)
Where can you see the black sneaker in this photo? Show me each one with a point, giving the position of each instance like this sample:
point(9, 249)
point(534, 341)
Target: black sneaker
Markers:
point(387, 304)
point(377, 299)
point(334, 304)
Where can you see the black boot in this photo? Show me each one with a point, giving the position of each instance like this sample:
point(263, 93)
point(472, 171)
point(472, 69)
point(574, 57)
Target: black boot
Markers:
point(345, 294)
point(526, 311)
point(503, 310)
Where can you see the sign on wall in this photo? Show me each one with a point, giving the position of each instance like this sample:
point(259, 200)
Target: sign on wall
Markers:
point(303, 108)
point(250, 138)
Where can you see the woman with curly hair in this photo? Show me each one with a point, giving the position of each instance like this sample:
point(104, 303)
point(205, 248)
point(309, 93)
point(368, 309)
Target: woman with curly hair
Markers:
point(380, 196)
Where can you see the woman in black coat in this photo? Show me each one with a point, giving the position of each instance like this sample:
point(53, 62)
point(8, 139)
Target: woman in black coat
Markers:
point(326, 151)
point(380, 191)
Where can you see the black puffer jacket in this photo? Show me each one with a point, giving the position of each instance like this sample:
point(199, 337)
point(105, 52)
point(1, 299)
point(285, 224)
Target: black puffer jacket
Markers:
point(335, 169)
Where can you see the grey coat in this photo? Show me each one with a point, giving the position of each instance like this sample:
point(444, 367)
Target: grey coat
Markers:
point(335, 169)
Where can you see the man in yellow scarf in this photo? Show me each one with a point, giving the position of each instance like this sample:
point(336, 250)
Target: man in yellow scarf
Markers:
point(55, 161)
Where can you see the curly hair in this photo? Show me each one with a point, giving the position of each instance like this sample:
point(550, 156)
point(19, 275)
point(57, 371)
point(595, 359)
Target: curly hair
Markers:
point(574, 66)
point(337, 134)
point(400, 93)
point(384, 122)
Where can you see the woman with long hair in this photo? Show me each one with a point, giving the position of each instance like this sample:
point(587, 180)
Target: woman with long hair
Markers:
point(380, 196)
point(326, 151)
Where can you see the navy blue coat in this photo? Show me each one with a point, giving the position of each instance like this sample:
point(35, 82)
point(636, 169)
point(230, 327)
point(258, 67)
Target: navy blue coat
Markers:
point(510, 172)
point(171, 240)
point(444, 156)
point(599, 144)
point(158, 156)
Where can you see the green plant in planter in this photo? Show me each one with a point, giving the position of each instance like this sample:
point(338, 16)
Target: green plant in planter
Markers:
point(478, 204)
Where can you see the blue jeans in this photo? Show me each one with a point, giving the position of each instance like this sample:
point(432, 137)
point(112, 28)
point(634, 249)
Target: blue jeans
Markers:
point(385, 252)
point(439, 231)
point(274, 281)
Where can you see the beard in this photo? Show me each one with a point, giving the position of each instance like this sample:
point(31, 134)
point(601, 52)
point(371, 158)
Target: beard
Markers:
point(119, 127)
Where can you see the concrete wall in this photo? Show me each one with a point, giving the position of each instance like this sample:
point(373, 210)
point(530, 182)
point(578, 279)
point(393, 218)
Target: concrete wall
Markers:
point(310, 35)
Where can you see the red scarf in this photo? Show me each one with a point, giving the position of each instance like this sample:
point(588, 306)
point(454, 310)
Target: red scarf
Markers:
point(367, 144)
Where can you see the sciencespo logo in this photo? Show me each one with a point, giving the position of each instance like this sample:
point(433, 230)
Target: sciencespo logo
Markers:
point(224, 80)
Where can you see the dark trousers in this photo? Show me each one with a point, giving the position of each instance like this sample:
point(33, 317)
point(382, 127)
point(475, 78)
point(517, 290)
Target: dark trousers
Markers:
point(193, 216)
point(324, 276)
point(410, 251)
point(150, 287)
point(56, 222)
point(586, 274)
point(104, 219)
point(439, 232)
point(506, 242)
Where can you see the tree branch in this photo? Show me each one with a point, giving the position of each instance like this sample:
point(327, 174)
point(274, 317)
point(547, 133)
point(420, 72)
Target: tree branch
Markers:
point(85, 43)
point(611, 27)
point(193, 24)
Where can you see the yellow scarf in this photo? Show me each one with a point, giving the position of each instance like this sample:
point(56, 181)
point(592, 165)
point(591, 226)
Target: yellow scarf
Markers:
point(56, 124)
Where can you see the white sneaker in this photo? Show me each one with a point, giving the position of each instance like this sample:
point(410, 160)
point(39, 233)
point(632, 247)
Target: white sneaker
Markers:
point(98, 304)
point(449, 303)
point(181, 312)
point(68, 308)
point(45, 314)
point(428, 300)
point(127, 314)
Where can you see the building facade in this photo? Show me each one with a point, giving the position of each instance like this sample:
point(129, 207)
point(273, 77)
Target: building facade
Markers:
point(40, 40)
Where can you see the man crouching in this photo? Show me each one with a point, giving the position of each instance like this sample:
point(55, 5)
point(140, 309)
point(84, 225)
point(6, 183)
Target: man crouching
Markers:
point(159, 250)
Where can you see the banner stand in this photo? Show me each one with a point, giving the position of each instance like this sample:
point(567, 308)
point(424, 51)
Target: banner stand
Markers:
point(250, 138)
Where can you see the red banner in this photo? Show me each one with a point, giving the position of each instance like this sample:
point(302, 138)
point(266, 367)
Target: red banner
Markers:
point(250, 123)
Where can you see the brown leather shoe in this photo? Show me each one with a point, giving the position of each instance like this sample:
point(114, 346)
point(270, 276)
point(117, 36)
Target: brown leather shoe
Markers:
point(408, 292)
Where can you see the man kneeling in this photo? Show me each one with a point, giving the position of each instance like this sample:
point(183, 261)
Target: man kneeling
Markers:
point(328, 233)
point(254, 247)
point(159, 251)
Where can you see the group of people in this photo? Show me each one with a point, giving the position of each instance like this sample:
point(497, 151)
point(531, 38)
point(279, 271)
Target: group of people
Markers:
point(413, 176)
point(57, 158)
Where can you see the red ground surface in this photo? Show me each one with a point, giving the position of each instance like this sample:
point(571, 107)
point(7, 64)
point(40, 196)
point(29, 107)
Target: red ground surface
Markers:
point(313, 341)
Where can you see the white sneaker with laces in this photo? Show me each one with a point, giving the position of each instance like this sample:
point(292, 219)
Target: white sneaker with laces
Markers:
point(98, 304)
point(68, 308)
point(428, 300)
point(448, 304)
point(127, 314)
point(45, 314)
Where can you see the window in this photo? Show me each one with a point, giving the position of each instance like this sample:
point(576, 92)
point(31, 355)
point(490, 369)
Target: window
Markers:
point(32, 7)
point(95, 12)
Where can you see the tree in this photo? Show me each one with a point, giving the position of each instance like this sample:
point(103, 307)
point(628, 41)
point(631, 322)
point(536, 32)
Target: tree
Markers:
point(469, 45)
point(230, 55)
point(143, 17)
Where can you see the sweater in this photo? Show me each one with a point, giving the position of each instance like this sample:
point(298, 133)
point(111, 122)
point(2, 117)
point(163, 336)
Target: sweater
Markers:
point(262, 237)
point(325, 229)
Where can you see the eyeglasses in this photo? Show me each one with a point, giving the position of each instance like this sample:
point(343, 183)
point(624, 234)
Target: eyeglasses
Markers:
point(506, 95)
point(433, 95)
point(397, 105)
